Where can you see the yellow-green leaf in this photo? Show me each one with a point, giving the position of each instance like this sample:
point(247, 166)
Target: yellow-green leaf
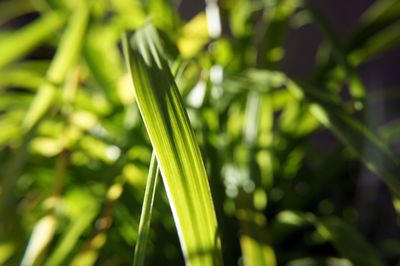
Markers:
point(147, 209)
point(65, 57)
point(28, 38)
point(176, 149)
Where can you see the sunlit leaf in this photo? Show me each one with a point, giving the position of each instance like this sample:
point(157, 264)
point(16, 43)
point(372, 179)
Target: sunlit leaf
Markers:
point(256, 250)
point(176, 149)
point(66, 56)
point(103, 59)
point(70, 238)
point(28, 38)
point(194, 36)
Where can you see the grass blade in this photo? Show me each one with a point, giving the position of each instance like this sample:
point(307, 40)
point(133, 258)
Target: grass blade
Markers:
point(326, 108)
point(71, 237)
point(65, 57)
point(42, 235)
point(346, 239)
point(147, 209)
point(28, 38)
point(356, 86)
point(20, 78)
point(176, 149)
point(14, 8)
point(352, 133)
point(102, 57)
point(255, 250)
point(45, 229)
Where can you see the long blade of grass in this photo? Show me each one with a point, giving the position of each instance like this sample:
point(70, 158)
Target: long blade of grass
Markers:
point(377, 44)
point(256, 253)
point(345, 238)
point(91, 249)
point(352, 133)
point(348, 241)
point(147, 209)
point(329, 112)
point(176, 149)
point(42, 235)
point(20, 78)
point(44, 230)
point(255, 250)
point(65, 57)
point(28, 38)
point(102, 57)
point(14, 8)
point(71, 237)
point(379, 16)
point(356, 86)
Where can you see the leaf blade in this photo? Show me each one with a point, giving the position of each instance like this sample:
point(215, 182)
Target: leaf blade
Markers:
point(67, 53)
point(176, 149)
point(26, 39)
point(145, 217)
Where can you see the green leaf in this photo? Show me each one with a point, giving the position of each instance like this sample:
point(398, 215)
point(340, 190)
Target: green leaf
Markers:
point(14, 8)
point(377, 44)
point(147, 209)
point(20, 78)
point(67, 54)
point(320, 262)
point(328, 110)
point(348, 241)
point(253, 79)
point(72, 234)
point(42, 234)
point(356, 86)
point(176, 149)
point(103, 59)
point(256, 251)
point(352, 133)
point(379, 16)
point(28, 38)
point(345, 238)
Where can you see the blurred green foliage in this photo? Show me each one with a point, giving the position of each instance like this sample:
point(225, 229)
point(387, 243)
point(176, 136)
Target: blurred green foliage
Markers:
point(75, 154)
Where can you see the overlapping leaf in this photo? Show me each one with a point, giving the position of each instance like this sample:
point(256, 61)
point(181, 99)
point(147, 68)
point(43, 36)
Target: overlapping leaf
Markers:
point(175, 147)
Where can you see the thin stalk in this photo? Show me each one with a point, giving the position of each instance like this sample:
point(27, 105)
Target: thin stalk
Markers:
point(67, 54)
point(45, 228)
point(90, 250)
point(147, 209)
point(29, 37)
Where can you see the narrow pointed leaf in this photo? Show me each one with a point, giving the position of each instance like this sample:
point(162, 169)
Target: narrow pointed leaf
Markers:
point(326, 108)
point(65, 57)
point(20, 78)
point(176, 149)
point(71, 236)
point(145, 217)
point(102, 56)
point(354, 135)
point(346, 239)
point(356, 86)
point(255, 250)
point(28, 38)
point(42, 235)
